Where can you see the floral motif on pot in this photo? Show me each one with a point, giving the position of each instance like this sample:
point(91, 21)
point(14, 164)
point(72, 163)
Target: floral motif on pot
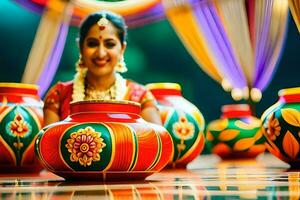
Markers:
point(85, 146)
point(281, 123)
point(21, 118)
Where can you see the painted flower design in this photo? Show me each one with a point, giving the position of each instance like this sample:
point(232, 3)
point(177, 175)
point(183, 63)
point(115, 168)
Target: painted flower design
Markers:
point(19, 127)
point(183, 128)
point(85, 146)
point(273, 130)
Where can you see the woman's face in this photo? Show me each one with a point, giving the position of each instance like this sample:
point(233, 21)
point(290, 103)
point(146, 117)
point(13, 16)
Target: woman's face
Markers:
point(102, 50)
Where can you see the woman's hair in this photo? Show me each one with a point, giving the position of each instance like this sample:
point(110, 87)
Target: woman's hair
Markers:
point(115, 19)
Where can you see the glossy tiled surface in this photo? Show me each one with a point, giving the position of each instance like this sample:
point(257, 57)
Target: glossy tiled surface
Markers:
point(206, 178)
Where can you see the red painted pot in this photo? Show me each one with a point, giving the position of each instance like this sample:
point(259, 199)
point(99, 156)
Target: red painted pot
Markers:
point(21, 118)
point(182, 119)
point(104, 140)
point(237, 134)
point(281, 124)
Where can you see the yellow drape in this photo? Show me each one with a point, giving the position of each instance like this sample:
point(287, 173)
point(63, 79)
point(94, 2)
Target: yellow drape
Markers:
point(277, 31)
point(234, 18)
point(295, 9)
point(185, 25)
point(57, 11)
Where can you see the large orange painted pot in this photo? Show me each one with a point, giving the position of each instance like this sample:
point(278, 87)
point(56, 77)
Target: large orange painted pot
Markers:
point(237, 134)
point(281, 124)
point(182, 119)
point(104, 140)
point(21, 118)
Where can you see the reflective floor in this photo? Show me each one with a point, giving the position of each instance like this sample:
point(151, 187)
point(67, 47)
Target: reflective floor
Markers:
point(206, 178)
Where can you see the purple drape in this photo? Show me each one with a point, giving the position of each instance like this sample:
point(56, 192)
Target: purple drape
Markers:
point(52, 63)
point(215, 35)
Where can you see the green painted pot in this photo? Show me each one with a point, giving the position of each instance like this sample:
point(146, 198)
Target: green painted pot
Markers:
point(21, 118)
point(281, 123)
point(237, 134)
point(182, 119)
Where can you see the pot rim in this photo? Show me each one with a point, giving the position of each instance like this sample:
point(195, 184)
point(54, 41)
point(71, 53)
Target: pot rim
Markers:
point(105, 106)
point(235, 110)
point(289, 91)
point(19, 85)
point(235, 107)
point(161, 85)
point(99, 101)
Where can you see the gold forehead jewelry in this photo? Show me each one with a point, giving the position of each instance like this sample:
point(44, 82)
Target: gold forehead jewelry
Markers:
point(103, 22)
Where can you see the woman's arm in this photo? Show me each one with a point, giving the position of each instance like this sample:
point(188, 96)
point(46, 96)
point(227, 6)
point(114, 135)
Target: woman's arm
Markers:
point(149, 110)
point(151, 114)
point(50, 117)
point(52, 106)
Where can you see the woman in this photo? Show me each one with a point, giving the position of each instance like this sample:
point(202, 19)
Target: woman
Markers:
point(102, 45)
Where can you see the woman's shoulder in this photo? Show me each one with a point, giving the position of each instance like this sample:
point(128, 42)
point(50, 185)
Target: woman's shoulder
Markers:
point(134, 84)
point(137, 92)
point(61, 88)
point(64, 84)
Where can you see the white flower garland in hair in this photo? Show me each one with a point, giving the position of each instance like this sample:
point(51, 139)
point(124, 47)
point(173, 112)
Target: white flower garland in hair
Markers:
point(79, 86)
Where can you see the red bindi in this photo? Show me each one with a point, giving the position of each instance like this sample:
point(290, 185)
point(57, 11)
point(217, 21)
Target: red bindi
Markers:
point(102, 28)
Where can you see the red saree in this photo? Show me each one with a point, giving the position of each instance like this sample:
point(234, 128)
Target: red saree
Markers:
point(60, 95)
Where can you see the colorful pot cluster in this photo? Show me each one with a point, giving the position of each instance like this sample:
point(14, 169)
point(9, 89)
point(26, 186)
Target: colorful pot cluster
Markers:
point(100, 139)
point(21, 118)
point(182, 119)
point(237, 134)
point(281, 124)
point(104, 140)
point(107, 140)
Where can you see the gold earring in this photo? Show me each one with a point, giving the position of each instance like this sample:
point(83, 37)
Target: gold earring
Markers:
point(80, 64)
point(121, 66)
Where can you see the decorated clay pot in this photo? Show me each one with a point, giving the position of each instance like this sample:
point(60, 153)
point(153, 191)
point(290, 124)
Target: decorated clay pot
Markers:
point(104, 140)
point(281, 124)
point(182, 119)
point(237, 134)
point(21, 118)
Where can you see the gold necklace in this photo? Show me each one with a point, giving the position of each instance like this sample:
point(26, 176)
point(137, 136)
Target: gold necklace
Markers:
point(81, 92)
point(91, 93)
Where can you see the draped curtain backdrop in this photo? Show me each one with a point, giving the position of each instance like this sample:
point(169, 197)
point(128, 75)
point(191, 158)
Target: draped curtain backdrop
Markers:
point(236, 42)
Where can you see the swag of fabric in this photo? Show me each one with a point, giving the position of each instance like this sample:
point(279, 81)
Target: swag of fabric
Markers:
point(135, 14)
point(238, 43)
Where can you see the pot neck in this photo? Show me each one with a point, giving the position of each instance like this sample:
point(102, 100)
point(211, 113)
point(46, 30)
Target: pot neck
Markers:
point(289, 95)
point(236, 111)
point(18, 88)
point(158, 89)
point(99, 107)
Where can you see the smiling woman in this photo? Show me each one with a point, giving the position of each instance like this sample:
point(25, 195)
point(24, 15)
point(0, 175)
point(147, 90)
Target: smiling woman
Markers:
point(102, 42)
